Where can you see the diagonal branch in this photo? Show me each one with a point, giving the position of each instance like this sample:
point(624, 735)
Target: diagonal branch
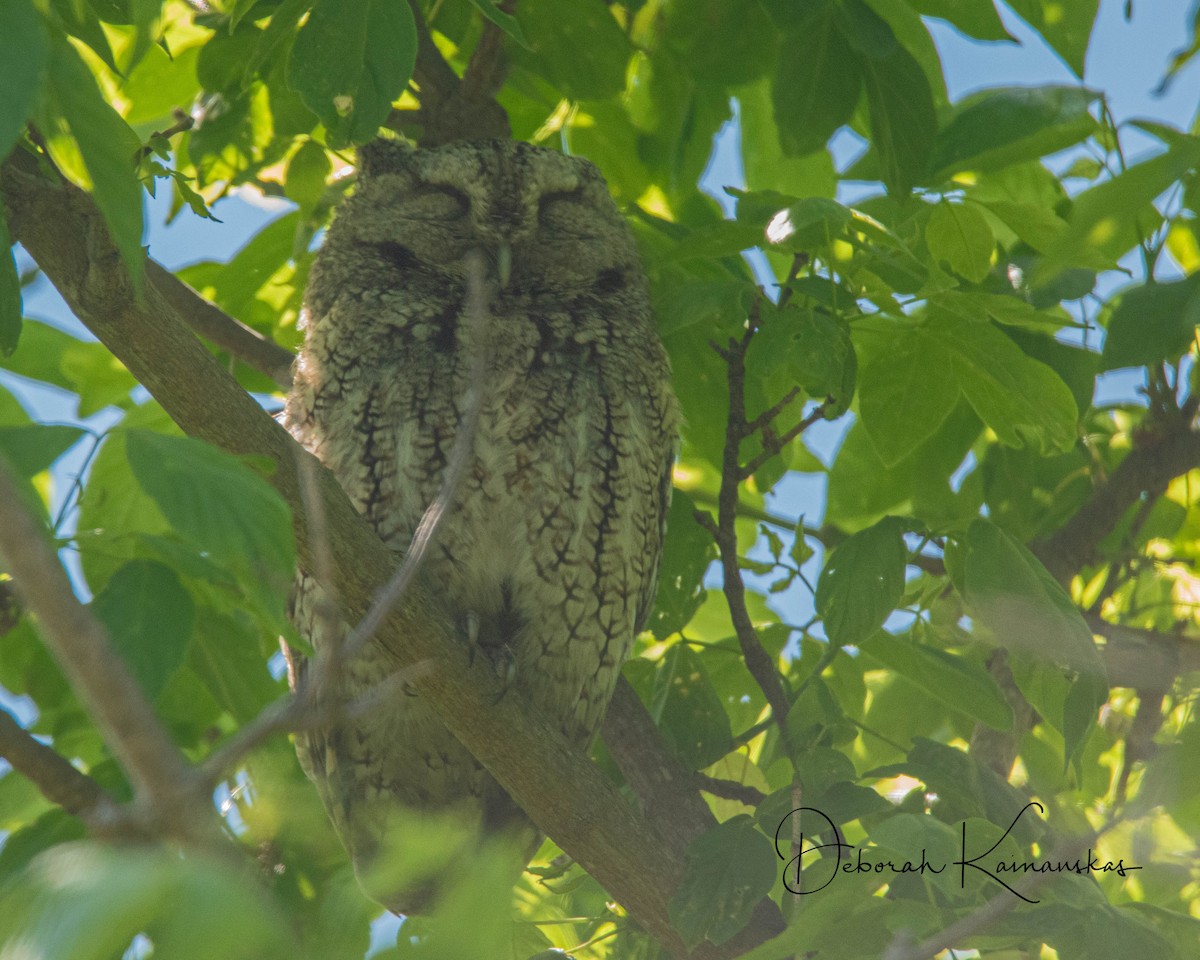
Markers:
point(1147, 468)
point(80, 644)
point(211, 322)
point(562, 791)
point(51, 773)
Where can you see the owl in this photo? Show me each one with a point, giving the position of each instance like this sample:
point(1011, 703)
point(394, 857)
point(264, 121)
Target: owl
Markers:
point(547, 557)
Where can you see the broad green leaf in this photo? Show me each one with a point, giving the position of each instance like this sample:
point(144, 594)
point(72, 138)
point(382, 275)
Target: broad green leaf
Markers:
point(227, 657)
point(729, 869)
point(1007, 125)
point(1152, 323)
point(505, 21)
point(977, 20)
point(708, 304)
point(801, 348)
point(149, 617)
point(905, 393)
point(1033, 224)
point(1019, 398)
point(81, 22)
point(1011, 311)
point(22, 69)
point(817, 81)
point(349, 61)
point(902, 119)
point(687, 551)
point(1066, 25)
point(221, 63)
point(59, 359)
point(1029, 613)
point(721, 43)
point(86, 901)
point(33, 448)
point(10, 294)
point(958, 234)
point(307, 170)
point(108, 148)
point(160, 84)
point(688, 711)
point(766, 165)
point(219, 504)
point(862, 582)
point(1107, 210)
point(578, 45)
point(958, 682)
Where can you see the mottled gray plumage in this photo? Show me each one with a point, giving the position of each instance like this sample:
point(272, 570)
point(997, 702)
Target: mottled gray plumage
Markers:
point(548, 555)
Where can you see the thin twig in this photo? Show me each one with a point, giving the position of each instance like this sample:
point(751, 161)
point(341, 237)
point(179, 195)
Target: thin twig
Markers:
point(741, 792)
point(758, 661)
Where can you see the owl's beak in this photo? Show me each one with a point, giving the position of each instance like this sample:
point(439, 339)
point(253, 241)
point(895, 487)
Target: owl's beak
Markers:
point(503, 263)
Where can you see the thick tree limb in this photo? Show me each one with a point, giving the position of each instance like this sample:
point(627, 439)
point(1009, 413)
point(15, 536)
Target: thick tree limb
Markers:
point(158, 772)
point(561, 790)
point(450, 108)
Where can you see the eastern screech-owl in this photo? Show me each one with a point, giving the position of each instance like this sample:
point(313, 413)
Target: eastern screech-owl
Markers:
point(548, 554)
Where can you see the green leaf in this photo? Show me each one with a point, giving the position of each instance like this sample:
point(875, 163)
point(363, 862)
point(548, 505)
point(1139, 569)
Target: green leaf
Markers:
point(578, 45)
point(506, 22)
point(59, 359)
point(217, 503)
point(1033, 224)
point(958, 234)
point(801, 348)
point(86, 901)
point(10, 294)
point(307, 171)
point(1152, 323)
point(1107, 210)
point(687, 551)
point(1066, 25)
point(905, 393)
point(709, 304)
point(862, 582)
point(1018, 397)
point(349, 61)
point(817, 82)
point(21, 70)
point(33, 448)
point(996, 128)
point(149, 617)
point(80, 21)
point(957, 681)
point(108, 148)
point(767, 167)
point(1029, 613)
point(689, 713)
point(902, 118)
point(977, 20)
point(729, 870)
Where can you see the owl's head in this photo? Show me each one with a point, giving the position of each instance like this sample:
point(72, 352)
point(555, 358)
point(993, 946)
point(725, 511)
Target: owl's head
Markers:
point(537, 213)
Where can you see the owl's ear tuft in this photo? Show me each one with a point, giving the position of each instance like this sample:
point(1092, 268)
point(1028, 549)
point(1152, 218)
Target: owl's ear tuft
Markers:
point(383, 156)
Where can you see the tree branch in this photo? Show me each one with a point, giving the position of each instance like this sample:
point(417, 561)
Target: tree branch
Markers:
point(158, 772)
point(211, 322)
point(58, 781)
point(1148, 467)
point(450, 109)
point(562, 791)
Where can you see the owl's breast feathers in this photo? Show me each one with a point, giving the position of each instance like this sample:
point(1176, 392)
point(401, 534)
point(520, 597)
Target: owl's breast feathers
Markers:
point(549, 552)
